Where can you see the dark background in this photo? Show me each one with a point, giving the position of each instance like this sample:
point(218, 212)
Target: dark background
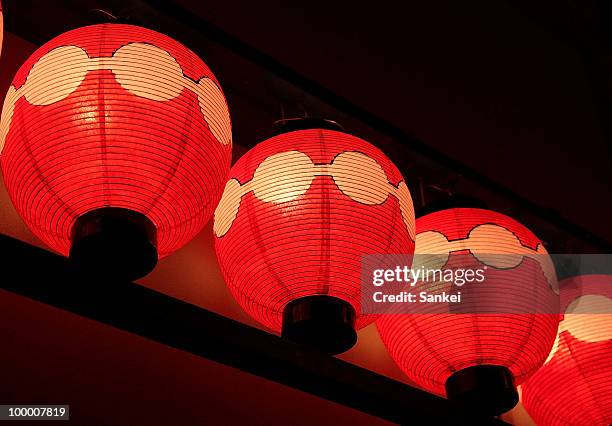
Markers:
point(516, 91)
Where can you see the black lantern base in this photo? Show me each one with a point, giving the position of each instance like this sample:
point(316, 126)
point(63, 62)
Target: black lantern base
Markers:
point(114, 242)
point(323, 322)
point(486, 390)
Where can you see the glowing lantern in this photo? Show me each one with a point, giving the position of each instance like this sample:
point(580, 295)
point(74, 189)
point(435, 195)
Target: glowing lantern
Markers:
point(574, 387)
point(115, 145)
point(477, 356)
point(297, 214)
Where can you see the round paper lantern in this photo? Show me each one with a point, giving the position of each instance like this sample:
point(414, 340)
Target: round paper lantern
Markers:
point(297, 215)
point(574, 386)
point(475, 353)
point(115, 145)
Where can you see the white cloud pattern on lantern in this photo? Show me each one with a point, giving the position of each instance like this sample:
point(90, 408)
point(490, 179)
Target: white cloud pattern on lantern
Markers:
point(286, 176)
point(596, 329)
point(491, 244)
point(136, 67)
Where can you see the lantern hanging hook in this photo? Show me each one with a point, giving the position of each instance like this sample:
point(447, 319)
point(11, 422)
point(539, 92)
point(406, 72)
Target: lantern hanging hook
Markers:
point(104, 15)
point(422, 191)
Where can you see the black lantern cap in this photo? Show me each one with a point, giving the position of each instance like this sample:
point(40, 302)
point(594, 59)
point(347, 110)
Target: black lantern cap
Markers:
point(452, 202)
point(304, 123)
point(114, 242)
point(323, 322)
point(482, 390)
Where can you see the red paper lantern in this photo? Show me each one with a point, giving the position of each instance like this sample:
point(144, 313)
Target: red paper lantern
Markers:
point(475, 357)
point(115, 136)
point(574, 386)
point(297, 214)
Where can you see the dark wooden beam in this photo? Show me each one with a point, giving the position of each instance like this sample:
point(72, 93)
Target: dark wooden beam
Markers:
point(45, 277)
